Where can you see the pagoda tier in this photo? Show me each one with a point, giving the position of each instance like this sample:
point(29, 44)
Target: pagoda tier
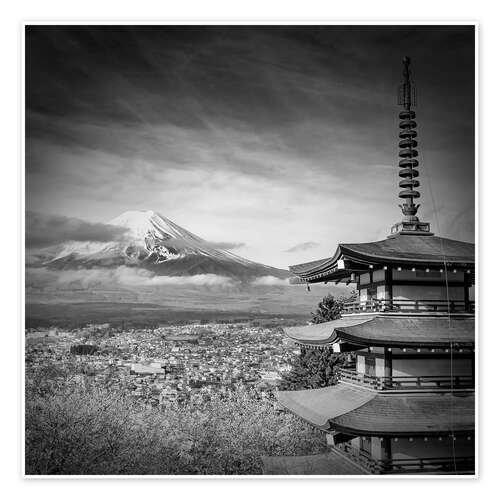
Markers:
point(359, 411)
point(386, 330)
point(399, 250)
point(387, 433)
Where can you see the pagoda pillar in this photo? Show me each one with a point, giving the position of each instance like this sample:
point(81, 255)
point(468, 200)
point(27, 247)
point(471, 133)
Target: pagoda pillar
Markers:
point(381, 449)
point(388, 285)
point(466, 292)
point(388, 362)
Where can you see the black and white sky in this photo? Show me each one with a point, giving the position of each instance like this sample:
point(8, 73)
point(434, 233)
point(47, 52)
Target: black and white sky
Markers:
point(281, 139)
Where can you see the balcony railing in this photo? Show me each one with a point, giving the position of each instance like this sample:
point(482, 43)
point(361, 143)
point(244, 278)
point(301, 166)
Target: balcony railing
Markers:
point(442, 465)
point(406, 305)
point(359, 455)
point(434, 465)
point(407, 382)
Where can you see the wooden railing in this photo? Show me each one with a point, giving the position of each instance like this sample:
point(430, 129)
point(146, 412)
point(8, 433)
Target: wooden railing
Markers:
point(443, 465)
point(406, 305)
point(363, 457)
point(407, 382)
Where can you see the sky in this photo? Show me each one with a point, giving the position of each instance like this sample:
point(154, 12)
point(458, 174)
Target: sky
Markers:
point(278, 141)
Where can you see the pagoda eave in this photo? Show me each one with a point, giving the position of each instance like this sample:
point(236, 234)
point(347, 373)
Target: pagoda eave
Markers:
point(385, 330)
point(399, 250)
point(357, 411)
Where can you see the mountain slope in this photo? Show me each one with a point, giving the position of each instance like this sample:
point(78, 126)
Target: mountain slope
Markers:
point(157, 244)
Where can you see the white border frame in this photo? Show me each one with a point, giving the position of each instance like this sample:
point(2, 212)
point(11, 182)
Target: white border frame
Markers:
point(239, 23)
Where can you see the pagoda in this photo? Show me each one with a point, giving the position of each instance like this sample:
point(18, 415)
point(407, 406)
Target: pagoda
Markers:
point(406, 405)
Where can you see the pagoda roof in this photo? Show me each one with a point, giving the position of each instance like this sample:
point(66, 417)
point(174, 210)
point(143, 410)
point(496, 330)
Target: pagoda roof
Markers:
point(388, 331)
point(359, 411)
point(331, 464)
point(398, 249)
point(324, 333)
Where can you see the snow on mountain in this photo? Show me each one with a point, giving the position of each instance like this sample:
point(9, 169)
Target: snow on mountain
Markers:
point(140, 223)
point(156, 243)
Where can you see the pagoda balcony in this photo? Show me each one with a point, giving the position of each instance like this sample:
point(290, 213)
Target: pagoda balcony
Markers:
point(430, 465)
point(409, 306)
point(406, 383)
point(443, 465)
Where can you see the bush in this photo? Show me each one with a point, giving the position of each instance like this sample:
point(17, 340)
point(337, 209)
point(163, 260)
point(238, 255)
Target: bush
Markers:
point(74, 430)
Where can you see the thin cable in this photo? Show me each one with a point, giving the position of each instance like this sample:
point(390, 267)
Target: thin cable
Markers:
point(429, 183)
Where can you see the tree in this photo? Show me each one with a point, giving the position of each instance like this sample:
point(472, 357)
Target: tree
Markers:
point(84, 349)
point(331, 307)
point(328, 309)
point(95, 430)
point(314, 368)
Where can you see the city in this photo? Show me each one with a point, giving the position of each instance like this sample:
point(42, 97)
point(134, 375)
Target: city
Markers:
point(173, 363)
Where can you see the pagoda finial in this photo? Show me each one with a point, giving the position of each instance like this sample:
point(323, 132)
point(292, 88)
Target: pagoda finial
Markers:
point(408, 158)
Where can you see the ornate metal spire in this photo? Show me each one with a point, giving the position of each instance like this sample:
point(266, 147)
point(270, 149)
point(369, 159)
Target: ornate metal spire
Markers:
point(408, 158)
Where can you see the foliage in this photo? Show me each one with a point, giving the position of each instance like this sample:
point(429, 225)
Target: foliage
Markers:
point(331, 307)
point(78, 430)
point(313, 368)
point(84, 349)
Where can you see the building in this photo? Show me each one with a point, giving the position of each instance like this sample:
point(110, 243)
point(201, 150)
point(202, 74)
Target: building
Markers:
point(407, 405)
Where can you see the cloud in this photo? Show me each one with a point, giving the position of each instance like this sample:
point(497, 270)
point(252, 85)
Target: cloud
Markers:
point(270, 281)
point(130, 276)
point(133, 277)
point(45, 230)
point(300, 247)
point(225, 245)
point(82, 278)
point(123, 275)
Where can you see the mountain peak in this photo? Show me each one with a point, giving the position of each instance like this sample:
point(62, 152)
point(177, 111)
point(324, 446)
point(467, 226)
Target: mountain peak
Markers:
point(156, 243)
point(136, 214)
point(147, 223)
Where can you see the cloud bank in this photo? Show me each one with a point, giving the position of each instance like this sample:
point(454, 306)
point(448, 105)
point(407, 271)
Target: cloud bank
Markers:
point(46, 230)
point(125, 276)
point(121, 276)
point(270, 281)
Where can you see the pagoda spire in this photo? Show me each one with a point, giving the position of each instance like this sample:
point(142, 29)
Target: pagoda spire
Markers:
point(408, 162)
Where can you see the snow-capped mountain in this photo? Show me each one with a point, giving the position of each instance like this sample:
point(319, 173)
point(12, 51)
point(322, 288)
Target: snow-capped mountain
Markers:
point(154, 242)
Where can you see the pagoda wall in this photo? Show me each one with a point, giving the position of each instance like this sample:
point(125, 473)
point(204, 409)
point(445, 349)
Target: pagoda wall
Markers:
point(378, 364)
point(424, 292)
point(380, 276)
point(409, 284)
point(431, 367)
point(418, 447)
point(433, 276)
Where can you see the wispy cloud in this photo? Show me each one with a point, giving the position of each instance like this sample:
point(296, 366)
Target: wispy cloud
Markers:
point(300, 247)
point(225, 245)
point(270, 281)
point(130, 276)
point(46, 230)
point(133, 277)
point(121, 276)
